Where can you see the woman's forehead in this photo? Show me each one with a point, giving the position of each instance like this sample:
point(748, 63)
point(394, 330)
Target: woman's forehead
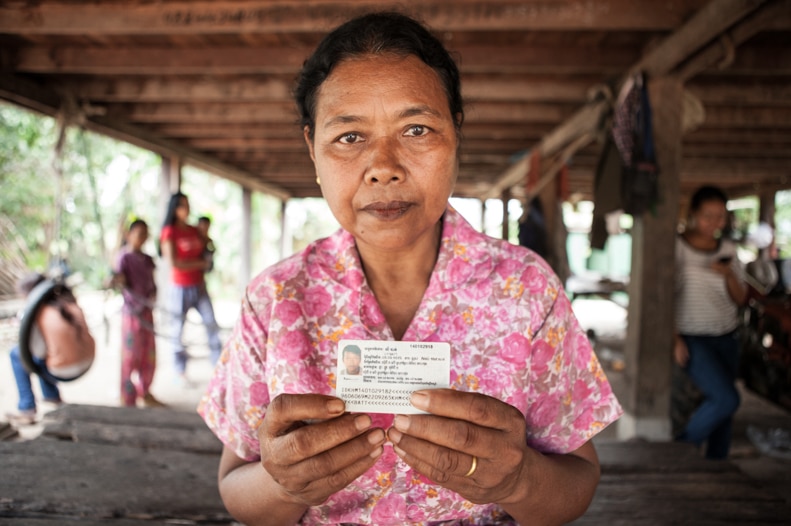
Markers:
point(387, 78)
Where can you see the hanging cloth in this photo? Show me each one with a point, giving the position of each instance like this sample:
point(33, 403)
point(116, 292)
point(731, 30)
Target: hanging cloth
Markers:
point(632, 133)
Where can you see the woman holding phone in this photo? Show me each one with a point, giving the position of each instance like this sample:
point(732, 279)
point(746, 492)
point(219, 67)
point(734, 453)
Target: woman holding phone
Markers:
point(709, 293)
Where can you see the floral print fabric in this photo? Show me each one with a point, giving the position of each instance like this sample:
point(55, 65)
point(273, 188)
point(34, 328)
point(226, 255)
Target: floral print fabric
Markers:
point(512, 333)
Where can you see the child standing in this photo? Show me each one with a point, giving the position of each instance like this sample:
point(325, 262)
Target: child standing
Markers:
point(135, 273)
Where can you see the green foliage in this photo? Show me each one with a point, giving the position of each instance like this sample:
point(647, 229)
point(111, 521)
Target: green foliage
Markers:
point(105, 185)
point(71, 213)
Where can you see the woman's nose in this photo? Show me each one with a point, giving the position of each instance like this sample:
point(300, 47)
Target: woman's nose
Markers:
point(384, 162)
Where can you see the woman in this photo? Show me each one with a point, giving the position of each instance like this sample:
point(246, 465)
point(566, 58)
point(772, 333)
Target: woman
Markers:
point(510, 442)
point(182, 245)
point(708, 295)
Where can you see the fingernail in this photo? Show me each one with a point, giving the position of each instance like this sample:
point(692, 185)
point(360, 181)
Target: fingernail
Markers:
point(394, 435)
point(335, 406)
point(362, 422)
point(376, 453)
point(400, 452)
point(401, 422)
point(376, 437)
point(419, 399)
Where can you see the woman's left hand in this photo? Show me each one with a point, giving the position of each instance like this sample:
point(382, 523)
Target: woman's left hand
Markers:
point(466, 430)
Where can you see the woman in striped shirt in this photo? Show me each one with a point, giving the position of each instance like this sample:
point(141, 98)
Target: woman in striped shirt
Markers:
point(709, 293)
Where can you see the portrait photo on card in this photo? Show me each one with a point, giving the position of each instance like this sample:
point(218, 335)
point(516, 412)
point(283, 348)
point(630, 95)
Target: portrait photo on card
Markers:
point(351, 360)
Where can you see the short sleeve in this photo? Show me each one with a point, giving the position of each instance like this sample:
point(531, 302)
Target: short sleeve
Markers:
point(237, 396)
point(570, 397)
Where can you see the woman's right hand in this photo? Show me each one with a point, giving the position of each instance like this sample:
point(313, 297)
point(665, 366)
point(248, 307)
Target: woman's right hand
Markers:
point(311, 461)
point(680, 351)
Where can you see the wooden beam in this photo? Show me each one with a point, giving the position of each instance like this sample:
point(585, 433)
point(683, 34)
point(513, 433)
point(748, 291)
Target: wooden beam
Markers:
point(234, 17)
point(714, 53)
point(704, 25)
point(241, 112)
point(586, 121)
point(49, 102)
point(159, 61)
point(168, 60)
point(199, 88)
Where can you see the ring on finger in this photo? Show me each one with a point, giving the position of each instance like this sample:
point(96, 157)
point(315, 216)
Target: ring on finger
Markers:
point(473, 467)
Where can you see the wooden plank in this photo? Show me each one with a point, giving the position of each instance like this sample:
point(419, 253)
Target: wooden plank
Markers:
point(538, 59)
point(56, 478)
point(181, 17)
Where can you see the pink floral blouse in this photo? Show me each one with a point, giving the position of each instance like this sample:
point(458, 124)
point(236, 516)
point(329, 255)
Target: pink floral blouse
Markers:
point(512, 333)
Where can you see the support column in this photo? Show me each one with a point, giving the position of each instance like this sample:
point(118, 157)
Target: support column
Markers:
point(286, 245)
point(504, 198)
point(245, 250)
point(649, 338)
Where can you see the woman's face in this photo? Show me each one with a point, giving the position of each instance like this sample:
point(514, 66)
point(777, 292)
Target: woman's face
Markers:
point(710, 218)
point(183, 209)
point(385, 149)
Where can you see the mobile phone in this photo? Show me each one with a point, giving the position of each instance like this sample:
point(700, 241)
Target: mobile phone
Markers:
point(725, 259)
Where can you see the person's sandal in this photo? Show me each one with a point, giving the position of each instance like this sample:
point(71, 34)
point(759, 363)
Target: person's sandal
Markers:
point(22, 418)
point(150, 401)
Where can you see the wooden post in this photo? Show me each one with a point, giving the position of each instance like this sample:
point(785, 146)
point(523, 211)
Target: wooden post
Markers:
point(649, 338)
point(286, 246)
point(504, 198)
point(245, 250)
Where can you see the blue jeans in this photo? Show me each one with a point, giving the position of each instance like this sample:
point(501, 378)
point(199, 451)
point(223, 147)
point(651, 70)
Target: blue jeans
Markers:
point(181, 300)
point(713, 367)
point(49, 389)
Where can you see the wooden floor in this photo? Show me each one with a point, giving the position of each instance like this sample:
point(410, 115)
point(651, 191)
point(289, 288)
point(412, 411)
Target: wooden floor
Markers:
point(97, 465)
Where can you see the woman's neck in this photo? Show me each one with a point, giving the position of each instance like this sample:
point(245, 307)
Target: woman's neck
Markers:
point(400, 278)
point(699, 241)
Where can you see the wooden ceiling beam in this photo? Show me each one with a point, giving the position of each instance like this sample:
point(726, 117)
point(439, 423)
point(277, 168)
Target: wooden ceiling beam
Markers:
point(240, 112)
point(717, 53)
point(222, 17)
point(159, 61)
point(529, 59)
point(199, 88)
point(708, 22)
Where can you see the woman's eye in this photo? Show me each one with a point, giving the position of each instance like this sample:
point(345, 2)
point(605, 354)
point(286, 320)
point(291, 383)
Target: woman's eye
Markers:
point(349, 138)
point(417, 130)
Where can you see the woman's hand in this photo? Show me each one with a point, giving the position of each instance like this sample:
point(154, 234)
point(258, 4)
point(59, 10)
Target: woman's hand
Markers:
point(464, 428)
point(312, 461)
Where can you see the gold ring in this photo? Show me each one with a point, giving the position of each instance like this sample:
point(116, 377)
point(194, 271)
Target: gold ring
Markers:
point(473, 467)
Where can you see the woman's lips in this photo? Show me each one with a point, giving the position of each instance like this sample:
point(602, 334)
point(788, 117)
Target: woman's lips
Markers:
point(387, 211)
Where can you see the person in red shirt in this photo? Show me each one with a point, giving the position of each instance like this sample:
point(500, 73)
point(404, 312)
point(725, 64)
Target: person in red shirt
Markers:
point(182, 246)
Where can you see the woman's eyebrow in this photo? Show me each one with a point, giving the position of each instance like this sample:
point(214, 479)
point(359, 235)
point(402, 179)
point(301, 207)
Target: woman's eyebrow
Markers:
point(342, 119)
point(419, 110)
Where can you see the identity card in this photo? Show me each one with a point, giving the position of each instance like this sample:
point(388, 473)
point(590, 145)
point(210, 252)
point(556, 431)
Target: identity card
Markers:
point(379, 376)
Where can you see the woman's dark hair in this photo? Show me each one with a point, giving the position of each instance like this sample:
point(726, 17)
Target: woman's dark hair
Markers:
point(170, 214)
point(705, 194)
point(378, 34)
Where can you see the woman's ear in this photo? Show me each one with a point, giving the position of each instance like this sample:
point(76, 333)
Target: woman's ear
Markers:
point(309, 142)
